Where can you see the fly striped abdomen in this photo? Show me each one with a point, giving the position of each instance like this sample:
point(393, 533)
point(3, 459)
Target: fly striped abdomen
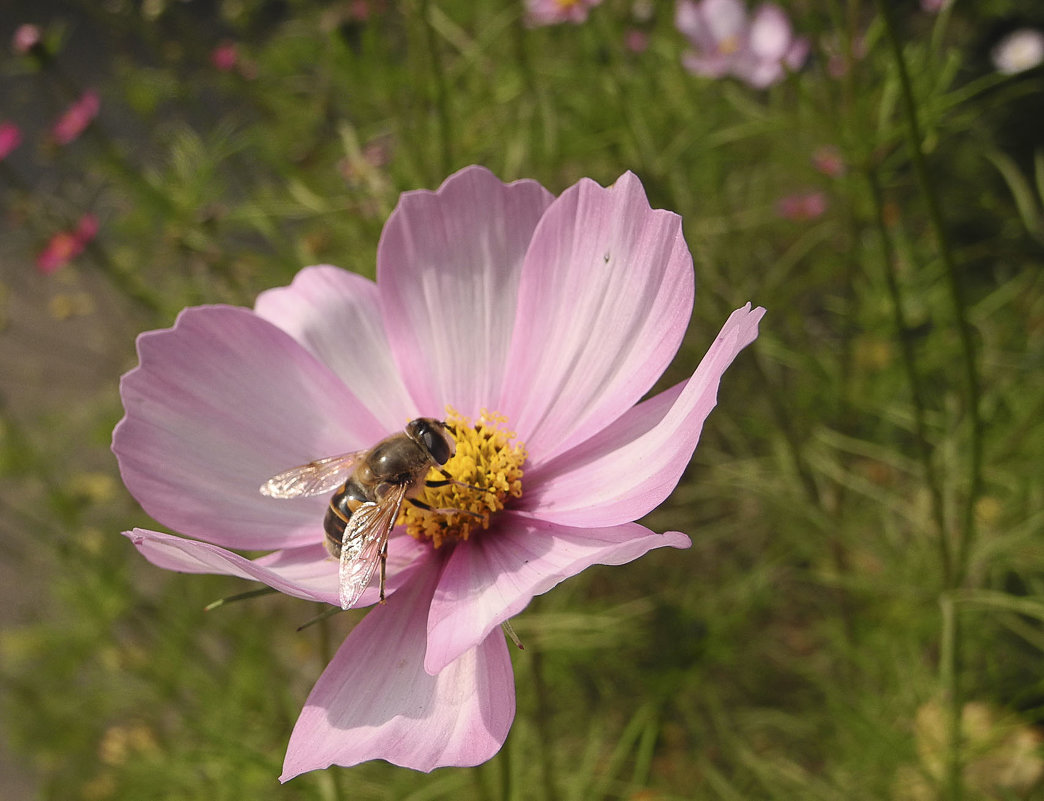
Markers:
point(343, 504)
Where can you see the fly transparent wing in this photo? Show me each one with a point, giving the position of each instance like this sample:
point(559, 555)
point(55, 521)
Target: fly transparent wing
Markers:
point(364, 542)
point(314, 478)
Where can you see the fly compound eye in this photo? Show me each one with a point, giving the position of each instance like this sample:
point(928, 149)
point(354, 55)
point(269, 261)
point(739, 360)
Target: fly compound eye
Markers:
point(434, 437)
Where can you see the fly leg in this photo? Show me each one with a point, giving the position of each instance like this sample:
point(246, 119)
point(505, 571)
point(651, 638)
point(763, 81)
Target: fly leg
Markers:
point(384, 566)
point(427, 507)
point(450, 480)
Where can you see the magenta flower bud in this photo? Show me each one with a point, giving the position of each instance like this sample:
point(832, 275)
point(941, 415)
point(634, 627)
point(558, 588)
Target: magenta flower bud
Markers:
point(10, 138)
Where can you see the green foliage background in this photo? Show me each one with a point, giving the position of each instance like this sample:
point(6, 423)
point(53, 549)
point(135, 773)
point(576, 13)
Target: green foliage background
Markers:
point(859, 580)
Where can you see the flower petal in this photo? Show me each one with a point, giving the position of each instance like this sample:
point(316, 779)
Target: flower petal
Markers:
point(302, 572)
point(448, 267)
point(221, 402)
point(770, 33)
point(726, 20)
point(604, 300)
point(650, 445)
point(336, 315)
point(374, 700)
point(307, 572)
point(495, 575)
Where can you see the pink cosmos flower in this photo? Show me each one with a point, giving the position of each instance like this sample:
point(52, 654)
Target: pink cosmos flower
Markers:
point(225, 57)
point(800, 207)
point(636, 41)
point(725, 41)
point(553, 12)
point(557, 315)
point(829, 161)
point(25, 38)
point(76, 118)
point(67, 245)
point(10, 138)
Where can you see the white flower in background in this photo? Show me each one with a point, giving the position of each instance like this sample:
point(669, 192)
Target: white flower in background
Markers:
point(1019, 51)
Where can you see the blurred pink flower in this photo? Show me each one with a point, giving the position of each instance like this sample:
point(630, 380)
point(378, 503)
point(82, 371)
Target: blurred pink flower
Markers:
point(67, 245)
point(26, 37)
point(636, 41)
point(362, 10)
point(725, 41)
point(801, 207)
point(76, 118)
point(225, 57)
point(935, 6)
point(10, 138)
point(552, 12)
point(1019, 51)
point(829, 161)
point(558, 313)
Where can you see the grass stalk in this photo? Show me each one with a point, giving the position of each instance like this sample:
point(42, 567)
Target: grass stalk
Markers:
point(950, 658)
point(543, 725)
point(972, 390)
point(442, 109)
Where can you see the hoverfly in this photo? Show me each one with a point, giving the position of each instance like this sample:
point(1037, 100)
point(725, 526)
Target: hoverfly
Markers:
point(371, 486)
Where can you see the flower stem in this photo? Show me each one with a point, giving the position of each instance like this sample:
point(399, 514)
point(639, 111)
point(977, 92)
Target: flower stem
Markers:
point(543, 724)
point(950, 658)
point(442, 110)
point(924, 448)
point(972, 390)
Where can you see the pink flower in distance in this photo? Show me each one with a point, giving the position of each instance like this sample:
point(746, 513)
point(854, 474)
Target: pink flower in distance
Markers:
point(829, 161)
point(10, 138)
point(25, 38)
point(553, 12)
point(225, 57)
point(76, 118)
point(65, 246)
point(801, 207)
point(724, 41)
point(558, 314)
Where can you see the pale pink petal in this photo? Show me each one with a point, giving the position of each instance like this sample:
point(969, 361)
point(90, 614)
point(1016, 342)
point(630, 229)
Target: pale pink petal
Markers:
point(604, 300)
point(375, 701)
point(712, 66)
point(336, 315)
point(448, 268)
point(221, 402)
point(688, 20)
point(756, 72)
point(770, 34)
point(494, 576)
point(650, 446)
point(301, 572)
point(798, 52)
point(725, 19)
point(307, 572)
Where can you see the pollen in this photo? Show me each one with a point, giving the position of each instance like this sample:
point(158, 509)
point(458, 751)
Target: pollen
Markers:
point(487, 473)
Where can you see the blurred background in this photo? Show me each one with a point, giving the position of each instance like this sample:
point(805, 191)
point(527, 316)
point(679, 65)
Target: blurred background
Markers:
point(861, 614)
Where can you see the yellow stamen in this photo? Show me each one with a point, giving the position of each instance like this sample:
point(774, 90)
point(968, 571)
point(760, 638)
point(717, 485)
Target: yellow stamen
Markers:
point(489, 462)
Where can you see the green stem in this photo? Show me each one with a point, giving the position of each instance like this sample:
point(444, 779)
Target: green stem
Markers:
point(951, 639)
point(972, 389)
point(543, 724)
point(127, 283)
point(442, 109)
point(949, 677)
point(924, 448)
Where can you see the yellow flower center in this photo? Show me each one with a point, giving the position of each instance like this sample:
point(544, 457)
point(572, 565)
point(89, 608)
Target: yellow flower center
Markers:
point(487, 462)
